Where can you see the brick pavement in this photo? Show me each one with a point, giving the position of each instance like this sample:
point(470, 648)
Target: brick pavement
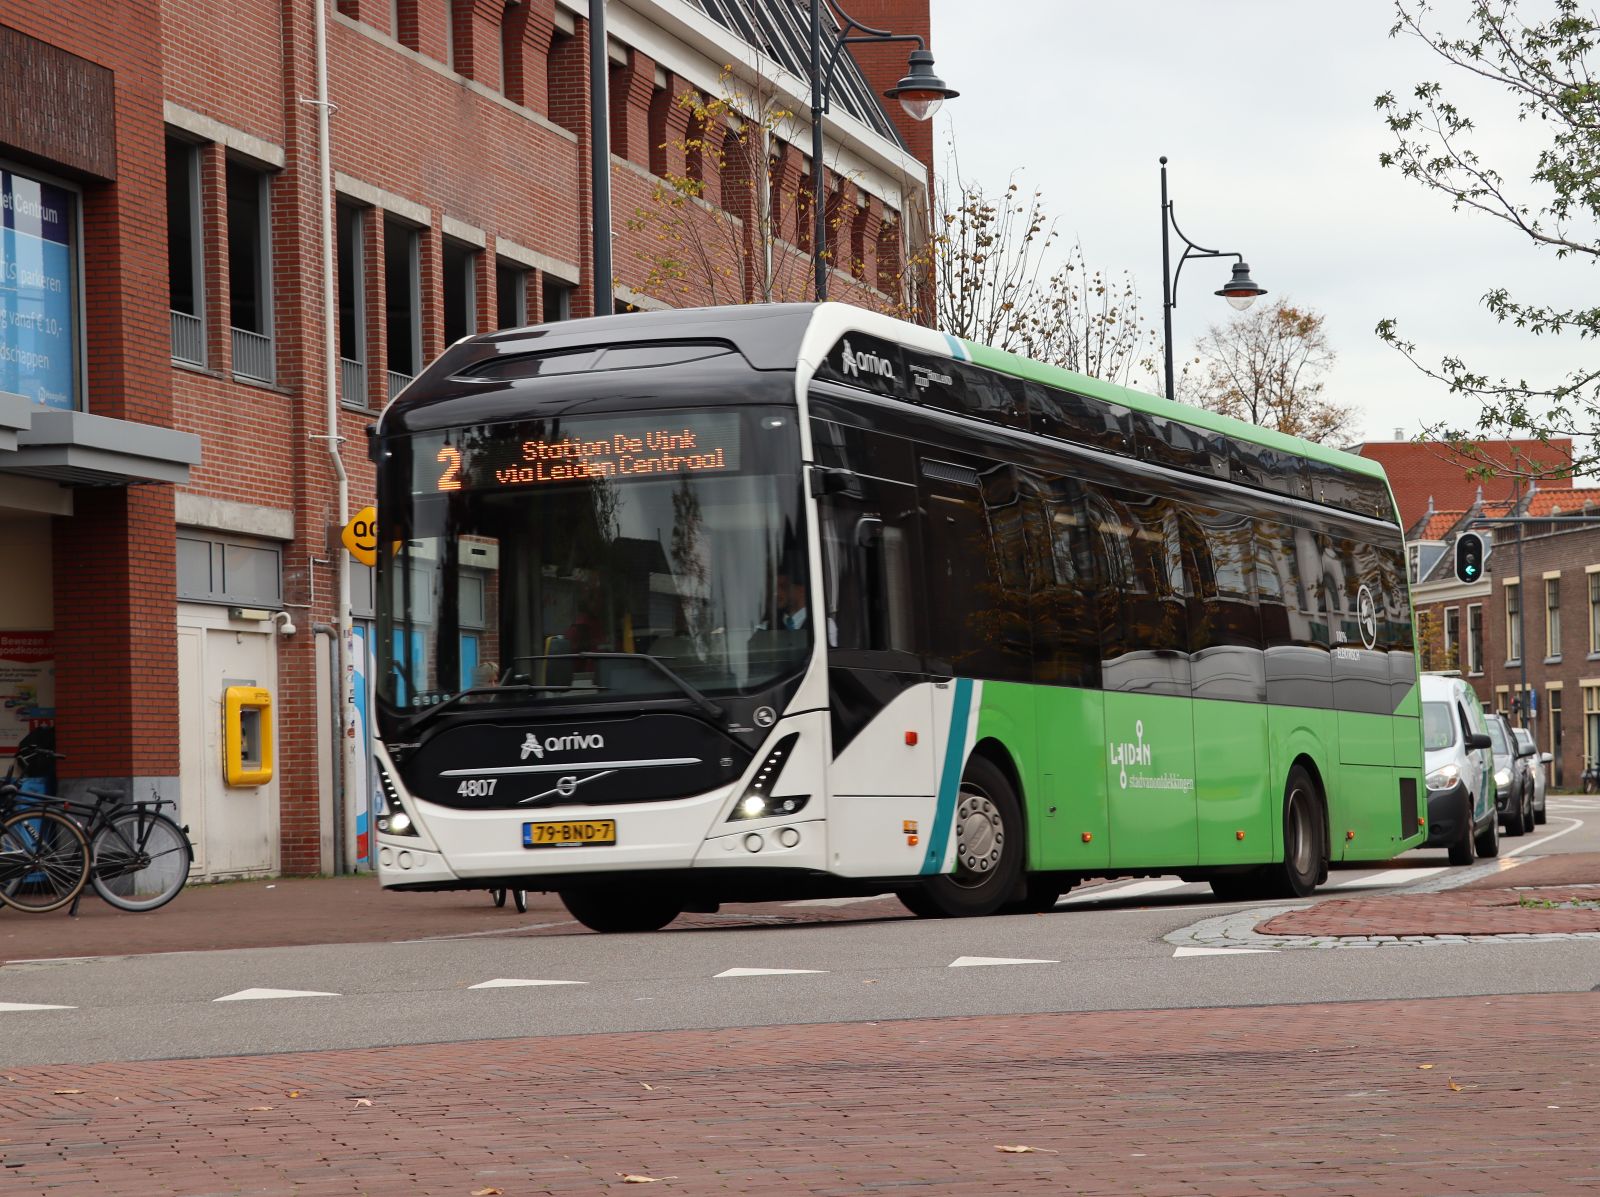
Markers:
point(1554, 895)
point(1326, 1098)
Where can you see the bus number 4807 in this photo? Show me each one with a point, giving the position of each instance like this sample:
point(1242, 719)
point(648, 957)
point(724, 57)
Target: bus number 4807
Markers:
point(477, 787)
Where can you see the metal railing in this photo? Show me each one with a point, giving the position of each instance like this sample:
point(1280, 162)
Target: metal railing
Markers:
point(188, 339)
point(397, 382)
point(252, 355)
point(353, 382)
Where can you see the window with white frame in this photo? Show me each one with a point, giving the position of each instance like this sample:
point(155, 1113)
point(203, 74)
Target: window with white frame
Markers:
point(185, 260)
point(1452, 636)
point(1552, 617)
point(1475, 638)
point(1594, 612)
point(249, 272)
point(1514, 621)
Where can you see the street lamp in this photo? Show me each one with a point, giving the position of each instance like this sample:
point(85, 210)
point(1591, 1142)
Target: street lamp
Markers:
point(1240, 291)
point(920, 93)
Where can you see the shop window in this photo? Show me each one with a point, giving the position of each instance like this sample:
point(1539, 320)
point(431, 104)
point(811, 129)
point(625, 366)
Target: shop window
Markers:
point(249, 273)
point(459, 267)
point(402, 307)
point(39, 316)
point(510, 296)
point(214, 569)
point(185, 261)
point(350, 265)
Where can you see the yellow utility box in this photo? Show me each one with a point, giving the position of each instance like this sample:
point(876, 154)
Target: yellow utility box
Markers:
point(246, 736)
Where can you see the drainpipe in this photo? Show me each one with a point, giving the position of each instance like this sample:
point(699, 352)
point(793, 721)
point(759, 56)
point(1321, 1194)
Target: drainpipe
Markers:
point(346, 746)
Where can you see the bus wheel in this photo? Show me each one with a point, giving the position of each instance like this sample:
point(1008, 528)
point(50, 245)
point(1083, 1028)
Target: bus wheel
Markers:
point(609, 912)
point(988, 835)
point(1303, 848)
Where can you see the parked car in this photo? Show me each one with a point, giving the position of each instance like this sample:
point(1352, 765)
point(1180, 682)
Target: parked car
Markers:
point(1459, 768)
point(1540, 762)
point(1513, 787)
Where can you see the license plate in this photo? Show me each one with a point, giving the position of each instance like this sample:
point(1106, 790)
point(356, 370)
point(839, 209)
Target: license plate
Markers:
point(576, 833)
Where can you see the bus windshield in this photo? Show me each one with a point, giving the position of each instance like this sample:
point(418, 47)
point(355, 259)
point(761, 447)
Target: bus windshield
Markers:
point(598, 559)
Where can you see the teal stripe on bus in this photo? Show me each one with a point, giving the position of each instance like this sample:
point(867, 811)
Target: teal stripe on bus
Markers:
point(958, 348)
point(955, 752)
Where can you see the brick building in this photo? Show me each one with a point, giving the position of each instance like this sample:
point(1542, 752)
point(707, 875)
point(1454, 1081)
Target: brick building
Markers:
point(1429, 477)
point(1528, 640)
point(164, 466)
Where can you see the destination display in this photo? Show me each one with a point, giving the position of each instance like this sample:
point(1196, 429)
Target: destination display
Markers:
point(544, 452)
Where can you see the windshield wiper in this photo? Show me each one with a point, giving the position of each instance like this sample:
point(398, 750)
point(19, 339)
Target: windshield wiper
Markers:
point(694, 695)
point(425, 716)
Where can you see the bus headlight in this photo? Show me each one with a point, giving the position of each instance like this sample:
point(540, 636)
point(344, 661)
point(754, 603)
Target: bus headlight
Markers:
point(758, 801)
point(1445, 778)
point(392, 820)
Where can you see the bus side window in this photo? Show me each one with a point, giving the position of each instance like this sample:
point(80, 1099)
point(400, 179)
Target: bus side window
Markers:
point(867, 532)
point(1063, 612)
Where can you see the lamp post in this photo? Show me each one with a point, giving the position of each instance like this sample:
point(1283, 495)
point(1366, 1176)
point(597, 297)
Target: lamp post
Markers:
point(920, 93)
point(1240, 292)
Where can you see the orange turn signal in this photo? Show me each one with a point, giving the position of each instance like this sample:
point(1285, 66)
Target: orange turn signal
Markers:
point(1087, 837)
point(1238, 835)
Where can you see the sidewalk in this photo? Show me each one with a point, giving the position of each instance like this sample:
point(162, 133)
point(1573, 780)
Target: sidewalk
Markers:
point(1363, 1099)
point(1553, 895)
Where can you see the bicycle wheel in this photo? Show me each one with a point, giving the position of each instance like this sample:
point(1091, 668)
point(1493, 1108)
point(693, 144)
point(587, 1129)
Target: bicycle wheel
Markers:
point(44, 861)
point(141, 860)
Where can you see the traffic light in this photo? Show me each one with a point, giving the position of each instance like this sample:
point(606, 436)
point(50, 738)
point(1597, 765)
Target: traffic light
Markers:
point(1469, 557)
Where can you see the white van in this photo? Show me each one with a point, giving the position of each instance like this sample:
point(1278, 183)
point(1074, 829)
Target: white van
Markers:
point(1460, 770)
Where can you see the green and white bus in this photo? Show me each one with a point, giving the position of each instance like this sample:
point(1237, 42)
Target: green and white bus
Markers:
point(681, 608)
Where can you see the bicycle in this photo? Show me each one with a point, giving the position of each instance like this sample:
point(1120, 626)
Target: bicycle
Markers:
point(138, 858)
point(44, 855)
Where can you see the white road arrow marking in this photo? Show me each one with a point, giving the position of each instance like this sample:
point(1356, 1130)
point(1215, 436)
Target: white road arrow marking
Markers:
point(1137, 889)
point(1224, 952)
point(514, 982)
point(766, 972)
point(1389, 877)
point(261, 995)
point(18, 1007)
point(985, 961)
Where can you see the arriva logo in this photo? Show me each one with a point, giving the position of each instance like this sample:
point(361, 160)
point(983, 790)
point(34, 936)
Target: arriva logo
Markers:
point(574, 742)
point(1131, 752)
point(866, 362)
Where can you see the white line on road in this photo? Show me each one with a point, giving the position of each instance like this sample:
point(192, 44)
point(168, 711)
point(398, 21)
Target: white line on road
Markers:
point(19, 1007)
point(1389, 877)
point(516, 982)
point(766, 972)
point(1177, 952)
point(1136, 889)
point(986, 961)
point(1521, 848)
point(264, 995)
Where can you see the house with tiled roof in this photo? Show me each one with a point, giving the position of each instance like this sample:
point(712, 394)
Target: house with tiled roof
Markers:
point(1431, 475)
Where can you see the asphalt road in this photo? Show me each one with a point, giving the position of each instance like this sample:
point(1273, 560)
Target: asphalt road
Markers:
point(1101, 951)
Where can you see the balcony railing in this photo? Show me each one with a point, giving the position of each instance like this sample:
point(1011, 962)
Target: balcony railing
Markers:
point(188, 339)
point(353, 382)
point(252, 355)
point(397, 382)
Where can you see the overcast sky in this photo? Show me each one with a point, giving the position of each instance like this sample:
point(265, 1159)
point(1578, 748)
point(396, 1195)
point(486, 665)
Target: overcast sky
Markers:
point(1265, 110)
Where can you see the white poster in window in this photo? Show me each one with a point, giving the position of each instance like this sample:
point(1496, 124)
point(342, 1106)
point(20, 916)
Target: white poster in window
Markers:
point(27, 686)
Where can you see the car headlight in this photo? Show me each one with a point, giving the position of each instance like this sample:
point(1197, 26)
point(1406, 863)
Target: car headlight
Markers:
point(1445, 778)
point(1502, 778)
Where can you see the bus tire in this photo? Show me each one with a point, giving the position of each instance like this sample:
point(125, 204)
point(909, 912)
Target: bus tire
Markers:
point(611, 912)
point(989, 850)
point(1304, 840)
point(1041, 893)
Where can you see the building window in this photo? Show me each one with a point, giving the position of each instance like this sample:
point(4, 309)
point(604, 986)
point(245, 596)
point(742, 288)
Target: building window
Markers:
point(459, 266)
point(348, 226)
point(1591, 723)
point(1552, 617)
point(1502, 700)
point(1452, 637)
point(1413, 559)
point(214, 569)
point(1594, 612)
point(402, 306)
point(510, 295)
point(249, 280)
point(1513, 621)
point(557, 300)
point(39, 325)
point(185, 274)
point(1475, 638)
point(1553, 718)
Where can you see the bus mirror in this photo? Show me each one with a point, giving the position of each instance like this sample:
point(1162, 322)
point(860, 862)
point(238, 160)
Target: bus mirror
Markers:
point(828, 481)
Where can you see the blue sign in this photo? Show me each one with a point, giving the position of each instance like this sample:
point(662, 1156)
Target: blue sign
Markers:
point(37, 356)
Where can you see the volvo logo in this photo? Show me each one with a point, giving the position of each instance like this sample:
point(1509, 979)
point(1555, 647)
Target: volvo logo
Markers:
point(573, 742)
point(1367, 617)
point(765, 716)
